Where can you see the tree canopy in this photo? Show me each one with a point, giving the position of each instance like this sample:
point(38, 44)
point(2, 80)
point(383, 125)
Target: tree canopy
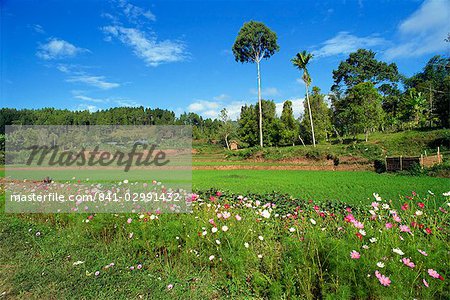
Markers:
point(254, 42)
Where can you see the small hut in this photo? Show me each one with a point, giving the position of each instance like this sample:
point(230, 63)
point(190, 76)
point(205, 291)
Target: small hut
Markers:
point(233, 145)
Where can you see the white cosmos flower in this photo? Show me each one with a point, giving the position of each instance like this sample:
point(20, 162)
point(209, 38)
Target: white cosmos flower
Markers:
point(380, 264)
point(365, 247)
point(211, 257)
point(447, 194)
point(398, 251)
point(265, 213)
point(385, 206)
point(214, 229)
point(261, 237)
point(419, 213)
point(78, 262)
point(224, 228)
point(217, 242)
point(377, 197)
point(259, 255)
point(246, 245)
point(125, 181)
point(292, 229)
point(313, 221)
point(373, 240)
point(363, 232)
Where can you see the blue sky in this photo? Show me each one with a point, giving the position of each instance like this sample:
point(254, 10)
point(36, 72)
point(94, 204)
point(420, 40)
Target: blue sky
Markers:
point(177, 54)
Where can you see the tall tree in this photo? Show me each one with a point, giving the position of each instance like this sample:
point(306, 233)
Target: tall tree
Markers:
point(434, 84)
point(321, 115)
point(255, 42)
point(361, 66)
point(289, 125)
point(301, 61)
point(360, 111)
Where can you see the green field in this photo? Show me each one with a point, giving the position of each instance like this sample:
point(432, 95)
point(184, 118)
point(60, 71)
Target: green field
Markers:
point(352, 187)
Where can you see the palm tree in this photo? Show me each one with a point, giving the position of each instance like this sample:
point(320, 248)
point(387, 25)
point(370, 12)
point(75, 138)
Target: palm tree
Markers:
point(301, 61)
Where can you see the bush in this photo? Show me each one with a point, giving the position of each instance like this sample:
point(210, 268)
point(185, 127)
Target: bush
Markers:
point(380, 166)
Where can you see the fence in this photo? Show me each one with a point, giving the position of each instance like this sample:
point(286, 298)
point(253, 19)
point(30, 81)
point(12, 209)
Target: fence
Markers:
point(401, 163)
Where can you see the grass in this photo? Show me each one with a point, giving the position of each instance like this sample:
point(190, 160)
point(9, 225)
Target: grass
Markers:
point(352, 187)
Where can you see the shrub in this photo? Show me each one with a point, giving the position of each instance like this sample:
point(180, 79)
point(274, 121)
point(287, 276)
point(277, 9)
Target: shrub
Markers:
point(379, 165)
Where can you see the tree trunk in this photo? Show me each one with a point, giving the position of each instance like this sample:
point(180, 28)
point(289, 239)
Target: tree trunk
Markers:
point(260, 107)
point(338, 135)
point(310, 117)
point(300, 138)
point(226, 142)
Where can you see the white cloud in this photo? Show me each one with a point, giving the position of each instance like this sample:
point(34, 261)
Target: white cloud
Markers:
point(211, 109)
point(266, 92)
point(297, 107)
point(86, 98)
point(58, 49)
point(95, 81)
point(201, 106)
point(146, 46)
point(133, 12)
point(423, 32)
point(38, 28)
point(345, 43)
point(91, 108)
point(126, 102)
point(221, 97)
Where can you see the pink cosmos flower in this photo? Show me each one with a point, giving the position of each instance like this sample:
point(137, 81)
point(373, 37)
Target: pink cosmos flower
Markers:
point(425, 283)
point(355, 255)
point(170, 286)
point(139, 266)
point(349, 218)
point(375, 204)
point(211, 221)
point(404, 228)
point(226, 214)
point(397, 219)
point(408, 262)
point(358, 224)
point(388, 225)
point(435, 274)
point(422, 252)
point(384, 280)
point(405, 206)
point(129, 220)
point(238, 217)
